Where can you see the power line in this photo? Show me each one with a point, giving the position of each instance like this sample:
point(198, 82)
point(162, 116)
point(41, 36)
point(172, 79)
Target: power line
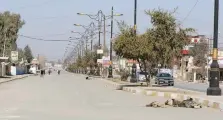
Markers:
point(51, 17)
point(40, 39)
point(191, 10)
point(52, 35)
point(36, 5)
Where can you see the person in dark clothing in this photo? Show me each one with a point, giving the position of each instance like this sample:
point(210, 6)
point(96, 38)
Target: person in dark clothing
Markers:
point(49, 71)
point(58, 72)
point(42, 73)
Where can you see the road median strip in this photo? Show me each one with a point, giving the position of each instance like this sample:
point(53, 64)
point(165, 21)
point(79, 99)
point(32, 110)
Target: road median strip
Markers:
point(197, 96)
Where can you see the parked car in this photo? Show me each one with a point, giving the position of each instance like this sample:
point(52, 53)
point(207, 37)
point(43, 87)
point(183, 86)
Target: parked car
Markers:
point(141, 76)
point(164, 79)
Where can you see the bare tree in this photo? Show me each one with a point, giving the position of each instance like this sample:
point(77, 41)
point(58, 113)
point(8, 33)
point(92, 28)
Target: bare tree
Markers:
point(199, 51)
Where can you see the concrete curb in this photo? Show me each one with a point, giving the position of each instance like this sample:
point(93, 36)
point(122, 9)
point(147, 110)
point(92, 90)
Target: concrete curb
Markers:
point(16, 78)
point(204, 101)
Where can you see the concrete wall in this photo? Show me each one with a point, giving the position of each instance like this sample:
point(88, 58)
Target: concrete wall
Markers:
point(18, 70)
point(2, 69)
point(13, 70)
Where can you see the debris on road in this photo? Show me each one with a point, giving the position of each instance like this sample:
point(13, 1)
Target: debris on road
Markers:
point(188, 103)
point(156, 104)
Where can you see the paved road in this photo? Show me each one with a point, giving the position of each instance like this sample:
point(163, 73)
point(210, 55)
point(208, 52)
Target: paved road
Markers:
point(71, 97)
point(200, 87)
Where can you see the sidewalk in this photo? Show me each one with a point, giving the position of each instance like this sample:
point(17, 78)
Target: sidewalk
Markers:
point(215, 102)
point(11, 78)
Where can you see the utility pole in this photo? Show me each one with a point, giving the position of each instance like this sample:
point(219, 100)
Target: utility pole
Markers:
point(133, 76)
point(110, 66)
point(135, 17)
point(99, 17)
point(78, 53)
point(82, 47)
point(214, 89)
point(104, 19)
point(99, 34)
point(91, 42)
point(112, 14)
point(86, 41)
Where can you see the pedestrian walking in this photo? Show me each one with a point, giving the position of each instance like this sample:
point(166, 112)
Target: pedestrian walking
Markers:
point(58, 72)
point(49, 71)
point(42, 73)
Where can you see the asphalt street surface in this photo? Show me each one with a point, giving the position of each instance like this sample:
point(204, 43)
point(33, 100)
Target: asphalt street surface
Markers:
point(71, 97)
point(200, 87)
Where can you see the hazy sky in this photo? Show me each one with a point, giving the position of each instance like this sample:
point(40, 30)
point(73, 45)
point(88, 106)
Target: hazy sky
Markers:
point(54, 19)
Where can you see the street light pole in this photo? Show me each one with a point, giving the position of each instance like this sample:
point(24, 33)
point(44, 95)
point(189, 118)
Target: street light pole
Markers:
point(110, 66)
point(86, 45)
point(214, 89)
point(135, 16)
point(83, 51)
point(98, 17)
point(104, 20)
point(91, 41)
point(133, 76)
point(90, 28)
point(99, 34)
point(78, 50)
point(112, 13)
point(99, 38)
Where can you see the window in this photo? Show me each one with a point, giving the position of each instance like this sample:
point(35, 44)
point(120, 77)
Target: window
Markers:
point(143, 73)
point(164, 75)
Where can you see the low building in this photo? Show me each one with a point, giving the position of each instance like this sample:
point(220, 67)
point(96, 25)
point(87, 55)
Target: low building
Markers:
point(48, 65)
point(58, 66)
point(34, 66)
point(185, 70)
point(3, 64)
